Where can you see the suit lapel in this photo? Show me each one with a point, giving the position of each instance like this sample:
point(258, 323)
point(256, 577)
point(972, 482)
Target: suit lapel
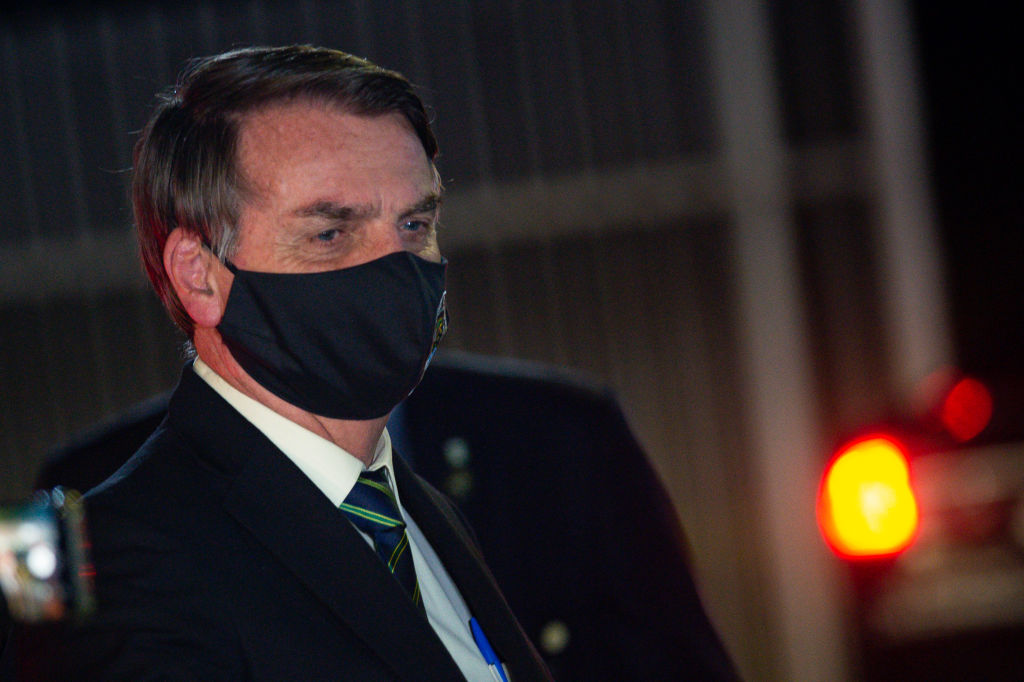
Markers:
point(271, 498)
point(457, 550)
point(281, 508)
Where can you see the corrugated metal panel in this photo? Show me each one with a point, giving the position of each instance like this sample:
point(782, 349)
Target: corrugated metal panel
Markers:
point(583, 86)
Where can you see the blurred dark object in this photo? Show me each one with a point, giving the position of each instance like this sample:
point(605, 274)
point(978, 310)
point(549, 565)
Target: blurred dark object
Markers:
point(545, 467)
point(44, 570)
point(90, 457)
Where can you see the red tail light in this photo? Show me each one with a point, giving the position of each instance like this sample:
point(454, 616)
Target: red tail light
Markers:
point(966, 409)
point(866, 507)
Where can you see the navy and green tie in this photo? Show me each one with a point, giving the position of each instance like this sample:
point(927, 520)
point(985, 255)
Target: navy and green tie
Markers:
point(371, 507)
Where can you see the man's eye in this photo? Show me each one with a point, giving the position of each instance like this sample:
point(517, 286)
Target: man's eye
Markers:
point(328, 235)
point(415, 226)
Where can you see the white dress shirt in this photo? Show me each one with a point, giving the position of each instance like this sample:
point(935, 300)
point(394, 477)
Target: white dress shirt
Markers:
point(334, 472)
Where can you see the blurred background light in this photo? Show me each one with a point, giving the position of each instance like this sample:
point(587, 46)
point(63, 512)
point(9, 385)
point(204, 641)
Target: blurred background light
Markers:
point(967, 409)
point(867, 507)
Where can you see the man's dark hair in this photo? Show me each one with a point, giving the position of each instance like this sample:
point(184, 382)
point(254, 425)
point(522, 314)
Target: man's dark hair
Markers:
point(186, 170)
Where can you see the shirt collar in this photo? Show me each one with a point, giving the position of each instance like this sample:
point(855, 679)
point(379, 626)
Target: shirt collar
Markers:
point(331, 468)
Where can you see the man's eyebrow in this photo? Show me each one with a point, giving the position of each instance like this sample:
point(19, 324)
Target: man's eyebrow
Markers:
point(336, 212)
point(427, 204)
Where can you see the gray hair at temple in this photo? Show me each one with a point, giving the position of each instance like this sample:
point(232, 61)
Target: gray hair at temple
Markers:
point(186, 170)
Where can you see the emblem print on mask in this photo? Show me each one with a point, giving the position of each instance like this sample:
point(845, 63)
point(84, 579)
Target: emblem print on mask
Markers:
point(343, 344)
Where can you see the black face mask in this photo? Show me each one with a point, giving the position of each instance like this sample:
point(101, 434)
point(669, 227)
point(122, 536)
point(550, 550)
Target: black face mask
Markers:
point(344, 344)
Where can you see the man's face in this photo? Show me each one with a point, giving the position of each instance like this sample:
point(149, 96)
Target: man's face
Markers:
point(332, 190)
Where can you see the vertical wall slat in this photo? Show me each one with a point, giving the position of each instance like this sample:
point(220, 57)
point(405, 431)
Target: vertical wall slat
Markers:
point(778, 391)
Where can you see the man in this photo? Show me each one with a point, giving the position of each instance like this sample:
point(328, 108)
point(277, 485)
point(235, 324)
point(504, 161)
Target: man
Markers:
point(287, 206)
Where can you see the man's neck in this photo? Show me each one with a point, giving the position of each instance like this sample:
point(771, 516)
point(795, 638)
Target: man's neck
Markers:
point(356, 436)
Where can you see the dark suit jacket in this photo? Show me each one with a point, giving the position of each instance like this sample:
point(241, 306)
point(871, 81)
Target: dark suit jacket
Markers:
point(573, 520)
point(216, 558)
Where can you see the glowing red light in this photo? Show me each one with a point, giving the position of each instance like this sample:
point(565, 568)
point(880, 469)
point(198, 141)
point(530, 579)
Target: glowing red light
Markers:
point(966, 409)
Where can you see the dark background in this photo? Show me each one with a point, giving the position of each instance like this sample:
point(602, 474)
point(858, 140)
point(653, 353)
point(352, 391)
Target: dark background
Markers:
point(970, 63)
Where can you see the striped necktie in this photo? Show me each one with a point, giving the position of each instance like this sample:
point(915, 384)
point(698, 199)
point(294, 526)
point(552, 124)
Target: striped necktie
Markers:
point(371, 507)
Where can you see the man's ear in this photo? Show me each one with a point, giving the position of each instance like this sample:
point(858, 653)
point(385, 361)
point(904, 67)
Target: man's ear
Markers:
point(194, 273)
